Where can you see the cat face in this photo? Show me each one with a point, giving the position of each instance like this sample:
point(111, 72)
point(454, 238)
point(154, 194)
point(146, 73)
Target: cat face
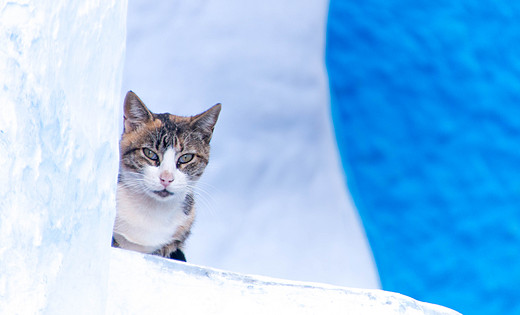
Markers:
point(163, 155)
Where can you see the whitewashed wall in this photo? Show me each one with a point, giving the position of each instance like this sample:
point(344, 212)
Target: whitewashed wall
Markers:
point(60, 79)
point(146, 284)
point(273, 200)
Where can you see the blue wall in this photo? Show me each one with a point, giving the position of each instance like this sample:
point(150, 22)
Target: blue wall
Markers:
point(426, 106)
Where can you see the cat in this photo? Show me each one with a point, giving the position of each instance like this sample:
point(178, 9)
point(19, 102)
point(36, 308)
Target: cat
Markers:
point(161, 158)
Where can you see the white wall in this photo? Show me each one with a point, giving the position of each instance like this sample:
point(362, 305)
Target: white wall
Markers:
point(273, 199)
point(60, 77)
point(146, 284)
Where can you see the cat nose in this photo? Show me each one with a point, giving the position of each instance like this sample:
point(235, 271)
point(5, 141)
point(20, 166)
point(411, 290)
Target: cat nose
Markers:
point(166, 178)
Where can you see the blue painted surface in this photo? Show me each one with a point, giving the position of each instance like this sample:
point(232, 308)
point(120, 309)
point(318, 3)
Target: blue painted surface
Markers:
point(426, 106)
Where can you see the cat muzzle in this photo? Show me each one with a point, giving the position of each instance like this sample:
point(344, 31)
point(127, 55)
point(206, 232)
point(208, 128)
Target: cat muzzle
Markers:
point(163, 193)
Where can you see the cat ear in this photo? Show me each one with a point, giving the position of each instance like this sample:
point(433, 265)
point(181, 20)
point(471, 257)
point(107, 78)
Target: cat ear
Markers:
point(136, 112)
point(206, 121)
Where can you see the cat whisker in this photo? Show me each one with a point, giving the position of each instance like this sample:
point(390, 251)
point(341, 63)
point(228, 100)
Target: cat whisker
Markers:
point(205, 198)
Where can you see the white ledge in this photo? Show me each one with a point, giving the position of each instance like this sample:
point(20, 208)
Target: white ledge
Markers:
point(145, 284)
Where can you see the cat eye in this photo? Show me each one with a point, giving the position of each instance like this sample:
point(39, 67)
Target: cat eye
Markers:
point(150, 154)
point(186, 158)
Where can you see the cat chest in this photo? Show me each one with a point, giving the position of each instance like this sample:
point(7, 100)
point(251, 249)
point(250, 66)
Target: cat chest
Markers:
point(149, 226)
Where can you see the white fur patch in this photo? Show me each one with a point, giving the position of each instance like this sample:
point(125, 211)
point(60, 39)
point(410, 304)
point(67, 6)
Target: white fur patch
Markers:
point(152, 179)
point(147, 219)
point(146, 222)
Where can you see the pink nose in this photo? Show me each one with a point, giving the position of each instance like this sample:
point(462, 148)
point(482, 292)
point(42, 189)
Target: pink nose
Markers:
point(166, 178)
